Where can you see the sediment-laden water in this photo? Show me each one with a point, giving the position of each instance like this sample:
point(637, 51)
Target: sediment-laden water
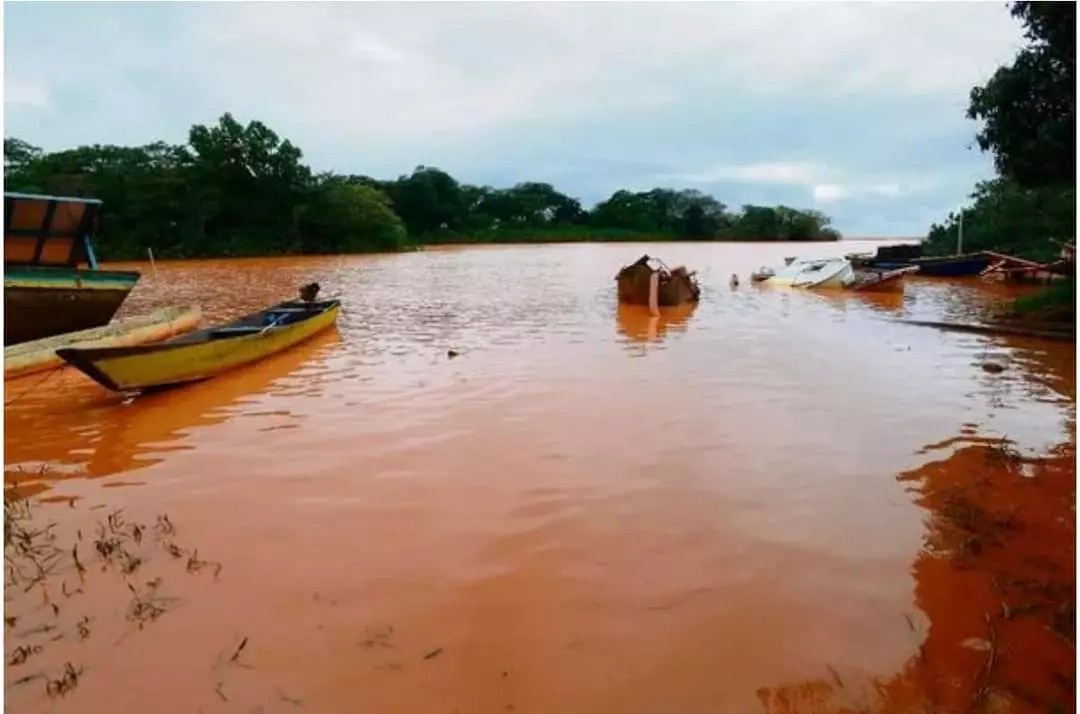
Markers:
point(776, 501)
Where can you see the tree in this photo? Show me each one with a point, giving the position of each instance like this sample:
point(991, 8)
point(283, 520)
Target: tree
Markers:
point(19, 155)
point(430, 200)
point(1008, 218)
point(240, 189)
point(1029, 107)
point(342, 216)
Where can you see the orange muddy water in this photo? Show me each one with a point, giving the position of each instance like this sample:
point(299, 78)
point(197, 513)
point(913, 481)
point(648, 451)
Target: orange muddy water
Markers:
point(777, 501)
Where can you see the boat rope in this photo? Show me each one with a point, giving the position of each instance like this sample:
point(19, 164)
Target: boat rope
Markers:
point(37, 384)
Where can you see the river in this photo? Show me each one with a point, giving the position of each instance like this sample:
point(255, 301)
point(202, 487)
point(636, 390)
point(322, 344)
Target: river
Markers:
point(776, 501)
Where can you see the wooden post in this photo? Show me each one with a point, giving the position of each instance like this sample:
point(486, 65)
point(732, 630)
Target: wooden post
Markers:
point(654, 293)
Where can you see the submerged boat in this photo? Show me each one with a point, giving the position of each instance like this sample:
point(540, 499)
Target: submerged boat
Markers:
point(38, 355)
point(675, 287)
point(827, 273)
point(46, 293)
point(206, 353)
point(881, 281)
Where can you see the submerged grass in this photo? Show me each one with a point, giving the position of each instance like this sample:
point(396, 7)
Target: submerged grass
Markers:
point(35, 560)
point(1054, 303)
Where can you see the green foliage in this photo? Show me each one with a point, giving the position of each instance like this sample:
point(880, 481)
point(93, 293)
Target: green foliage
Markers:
point(1029, 107)
point(1028, 111)
point(342, 216)
point(236, 190)
point(1010, 219)
point(695, 215)
point(1058, 300)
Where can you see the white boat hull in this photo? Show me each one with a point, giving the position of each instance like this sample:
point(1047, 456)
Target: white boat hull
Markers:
point(818, 274)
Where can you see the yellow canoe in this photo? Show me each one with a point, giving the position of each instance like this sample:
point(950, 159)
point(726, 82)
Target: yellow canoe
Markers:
point(204, 353)
point(40, 355)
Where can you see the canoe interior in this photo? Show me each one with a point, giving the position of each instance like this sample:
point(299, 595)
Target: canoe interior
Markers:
point(290, 312)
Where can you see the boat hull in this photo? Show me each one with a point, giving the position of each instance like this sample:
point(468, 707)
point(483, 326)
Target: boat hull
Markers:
point(194, 357)
point(43, 302)
point(833, 274)
point(675, 288)
point(955, 267)
point(881, 281)
point(39, 355)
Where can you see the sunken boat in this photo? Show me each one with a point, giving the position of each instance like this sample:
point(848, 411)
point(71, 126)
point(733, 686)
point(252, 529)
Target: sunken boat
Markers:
point(674, 286)
point(47, 291)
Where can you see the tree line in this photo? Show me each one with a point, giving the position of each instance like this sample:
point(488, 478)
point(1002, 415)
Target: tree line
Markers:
point(236, 190)
point(1028, 111)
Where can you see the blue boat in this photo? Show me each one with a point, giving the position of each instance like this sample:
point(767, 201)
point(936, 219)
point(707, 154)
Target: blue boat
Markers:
point(953, 266)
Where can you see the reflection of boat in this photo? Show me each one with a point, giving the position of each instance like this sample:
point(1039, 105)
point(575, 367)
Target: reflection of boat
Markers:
point(637, 324)
point(94, 437)
point(881, 281)
point(675, 287)
point(45, 293)
point(827, 273)
point(38, 355)
point(205, 353)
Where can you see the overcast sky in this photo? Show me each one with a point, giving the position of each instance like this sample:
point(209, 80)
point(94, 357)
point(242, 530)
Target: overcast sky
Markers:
point(856, 109)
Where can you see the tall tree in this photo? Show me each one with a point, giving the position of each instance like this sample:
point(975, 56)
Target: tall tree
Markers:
point(1029, 107)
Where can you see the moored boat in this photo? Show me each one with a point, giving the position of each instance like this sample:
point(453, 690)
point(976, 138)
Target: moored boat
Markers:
point(954, 266)
point(675, 286)
point(39, 355)
point(205, 353)
point(881, 281)
point(46, 293)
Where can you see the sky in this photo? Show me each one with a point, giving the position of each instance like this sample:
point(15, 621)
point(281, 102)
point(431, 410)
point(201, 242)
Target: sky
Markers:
point(856, 109)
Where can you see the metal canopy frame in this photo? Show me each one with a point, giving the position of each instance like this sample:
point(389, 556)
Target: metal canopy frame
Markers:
point(79, 232)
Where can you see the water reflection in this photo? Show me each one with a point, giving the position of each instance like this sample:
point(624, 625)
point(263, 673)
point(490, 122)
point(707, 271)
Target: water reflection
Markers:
point(994, 623)
point(93, 433)
point(638, 325)
point(994, 588)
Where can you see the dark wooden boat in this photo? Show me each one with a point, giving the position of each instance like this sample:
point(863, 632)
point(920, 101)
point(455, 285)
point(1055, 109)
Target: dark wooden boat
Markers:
point(676, 286)
point(206, 353)
point(46, 293)
point(954, 266)
point(887, 257)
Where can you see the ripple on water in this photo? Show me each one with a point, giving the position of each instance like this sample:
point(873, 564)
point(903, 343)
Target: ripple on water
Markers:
point(608, 507)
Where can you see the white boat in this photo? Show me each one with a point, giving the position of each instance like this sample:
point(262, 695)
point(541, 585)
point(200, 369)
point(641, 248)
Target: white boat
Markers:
point(821, 274)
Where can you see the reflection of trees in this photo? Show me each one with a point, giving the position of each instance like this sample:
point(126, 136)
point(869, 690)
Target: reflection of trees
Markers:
point(995, 579)
point(92, 434)
point(635, 322)
point(996, 582)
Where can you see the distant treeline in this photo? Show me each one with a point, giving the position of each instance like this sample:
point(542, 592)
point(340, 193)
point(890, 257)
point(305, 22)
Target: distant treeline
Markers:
point(241, 190)
point(1028, 112)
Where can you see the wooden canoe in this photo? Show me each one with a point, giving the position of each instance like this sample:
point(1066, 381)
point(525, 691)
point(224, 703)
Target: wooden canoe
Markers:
point(39, 355)
point(205, 353)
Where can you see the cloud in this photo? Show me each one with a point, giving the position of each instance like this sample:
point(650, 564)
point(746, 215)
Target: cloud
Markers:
point(20, 92)
point(836, 103)
point(826, 185)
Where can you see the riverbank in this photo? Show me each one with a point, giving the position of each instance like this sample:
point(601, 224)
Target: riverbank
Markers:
point(579, 234)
